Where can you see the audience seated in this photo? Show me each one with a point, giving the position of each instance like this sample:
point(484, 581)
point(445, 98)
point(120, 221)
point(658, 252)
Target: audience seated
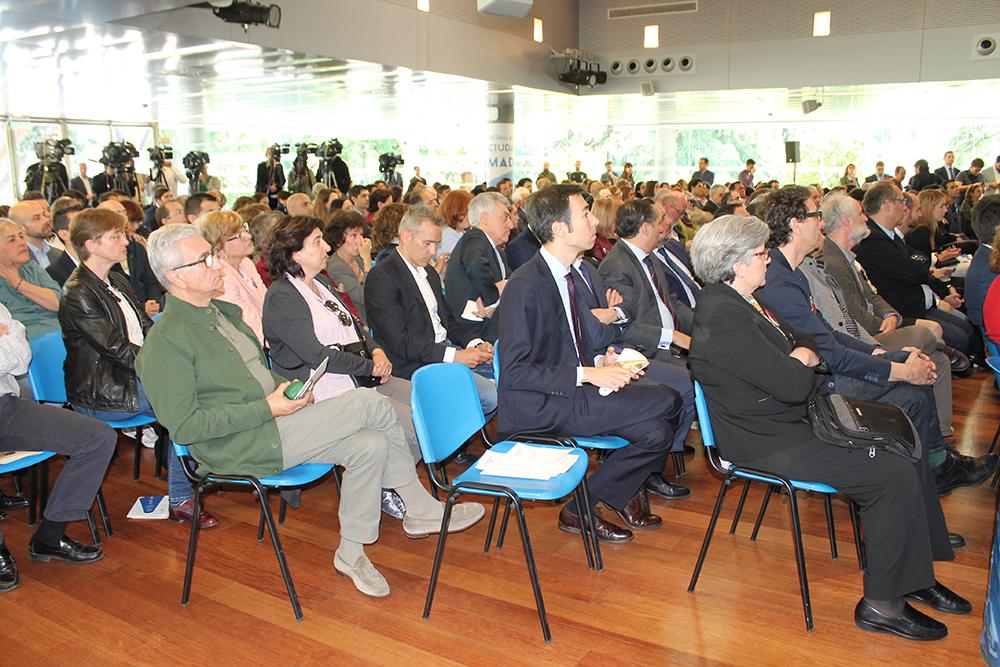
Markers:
point(64, 210)
point(409, 315)
point(35, 218)
point(385, 233)
point(350, 256)
point(757, 380)
point(981, 275)
point(207, 379)
point(136, 267)
point(199, 204)
point(455, 211)
point(604, 210)
point(233, 246)
point(28, 292)
point(27, 426)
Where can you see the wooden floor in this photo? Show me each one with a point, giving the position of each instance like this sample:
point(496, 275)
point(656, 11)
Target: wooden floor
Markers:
point(746, 611)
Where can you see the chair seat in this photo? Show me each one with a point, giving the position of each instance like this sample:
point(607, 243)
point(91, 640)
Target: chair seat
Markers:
point(530, 489)
point(26, 462)
point(601, 441)
point(131, 422)
point(818, 487)
point(300, 475)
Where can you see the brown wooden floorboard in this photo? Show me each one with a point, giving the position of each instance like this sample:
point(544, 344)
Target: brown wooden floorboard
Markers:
point(126, 608)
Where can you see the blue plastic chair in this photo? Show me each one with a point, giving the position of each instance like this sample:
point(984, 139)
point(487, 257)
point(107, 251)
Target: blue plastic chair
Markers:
point(774, 481)
point(38, 480)
point(295, 477)
point(48, 356)
point(446, 412)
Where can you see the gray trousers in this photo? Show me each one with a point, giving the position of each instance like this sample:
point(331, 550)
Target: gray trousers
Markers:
point(360, 431)
point(397, 392)
point(922, 338)
point(87, 443)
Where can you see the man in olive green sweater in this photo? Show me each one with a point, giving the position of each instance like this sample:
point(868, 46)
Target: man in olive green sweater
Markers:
point(206, 378)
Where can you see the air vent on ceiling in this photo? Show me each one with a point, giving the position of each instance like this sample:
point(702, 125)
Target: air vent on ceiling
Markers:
point(658, 9)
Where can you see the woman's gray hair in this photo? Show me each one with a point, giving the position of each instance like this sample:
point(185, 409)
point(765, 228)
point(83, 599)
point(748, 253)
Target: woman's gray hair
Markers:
point(723, 242)
point(164, 250)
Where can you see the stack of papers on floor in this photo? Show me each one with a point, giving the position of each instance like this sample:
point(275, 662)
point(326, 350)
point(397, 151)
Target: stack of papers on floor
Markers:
point(526, 462)
point(150, 507)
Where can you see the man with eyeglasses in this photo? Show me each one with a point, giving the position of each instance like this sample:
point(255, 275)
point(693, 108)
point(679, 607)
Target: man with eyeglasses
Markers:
point(478, 268)
point(857, 368)
point(207, 379)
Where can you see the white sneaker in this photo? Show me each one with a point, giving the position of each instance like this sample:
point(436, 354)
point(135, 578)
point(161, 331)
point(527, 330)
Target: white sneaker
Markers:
point(366, 578)
point(463, 516)
point(149, 438)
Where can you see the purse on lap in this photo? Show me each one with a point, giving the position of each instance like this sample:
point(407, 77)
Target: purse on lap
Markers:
point(855, 424)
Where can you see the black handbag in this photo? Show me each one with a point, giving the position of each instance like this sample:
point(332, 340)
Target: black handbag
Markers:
point(863, 425)
point(361, 350)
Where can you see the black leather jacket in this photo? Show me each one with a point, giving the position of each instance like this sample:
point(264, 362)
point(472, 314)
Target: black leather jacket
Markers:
point(100, 360)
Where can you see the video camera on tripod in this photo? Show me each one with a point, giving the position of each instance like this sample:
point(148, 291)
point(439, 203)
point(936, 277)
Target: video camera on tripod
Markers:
point(49, 175)
point(157, 156)
point(277, 150)
point(193, 163)
point(53, 150)
point(387, 163)
point(119, 155)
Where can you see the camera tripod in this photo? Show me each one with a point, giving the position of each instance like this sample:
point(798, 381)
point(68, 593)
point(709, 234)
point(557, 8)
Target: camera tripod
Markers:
point(51, 183)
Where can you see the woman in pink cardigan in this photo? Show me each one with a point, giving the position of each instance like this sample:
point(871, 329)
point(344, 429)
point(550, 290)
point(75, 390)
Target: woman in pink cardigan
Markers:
point(230, 239)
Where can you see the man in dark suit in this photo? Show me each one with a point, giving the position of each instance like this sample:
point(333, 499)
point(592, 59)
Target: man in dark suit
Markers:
point(985, 221)
point(703, 174)
point(549, 382)
point(923, 178)
point(82, 183)
point(64, 210)
point(680, 274)
point(477, 269)
point(408, 314)
point(900, 280)
point(947, 172)
point(879, 174)
point(858, 369)
point(270, 177)
point(659, 318)
point(524, 246)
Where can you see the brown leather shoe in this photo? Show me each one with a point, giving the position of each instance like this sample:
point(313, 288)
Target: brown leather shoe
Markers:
point(637, 515)
point(184, 511)
point(606, 531)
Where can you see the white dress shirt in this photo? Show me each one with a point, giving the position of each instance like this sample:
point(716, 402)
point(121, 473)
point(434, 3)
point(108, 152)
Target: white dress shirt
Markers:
point(667, 320)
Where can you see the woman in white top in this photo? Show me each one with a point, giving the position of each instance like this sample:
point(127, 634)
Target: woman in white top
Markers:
point(230, 238)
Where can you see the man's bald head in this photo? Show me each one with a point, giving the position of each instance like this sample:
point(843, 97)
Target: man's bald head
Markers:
point(299, 204)
point(34, 218)
point(113, 205)
point(673, 203)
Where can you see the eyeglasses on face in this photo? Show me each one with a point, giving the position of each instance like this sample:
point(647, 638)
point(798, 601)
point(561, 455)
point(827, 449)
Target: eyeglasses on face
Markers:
point(818, 214)
point(344, 318)
point(244, 232)
point(764, 255)
point(208, 260)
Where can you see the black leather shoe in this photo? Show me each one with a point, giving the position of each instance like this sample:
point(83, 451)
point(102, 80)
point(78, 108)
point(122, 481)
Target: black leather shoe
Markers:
point(658, 485)
point(69, 550)
point(688, 450)
point(637, 516)
point(941, 598)
point(606, 531)
point(956, 540)
point(12, 502)
point(959, 470)
point(911, 625)
point(466, 459)
point(960, 364)
point(9, 579)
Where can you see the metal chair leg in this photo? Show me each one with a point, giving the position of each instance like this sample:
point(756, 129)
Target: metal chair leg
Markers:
point(137, 459)
point(280, 555)
point(492, 524)
point(800, 558)
point(727, 480)
point(590, 525)
point(858, 541)
point(18, 484)
point(338, 478)
point(102, 506)
point(161, 450)
point(532, 572)
point(264, 504)
point(33, 509)
point(680, 468)
point(996, 436)
point(430, 475)
point(95, 535)
point(43, 487)
point(584, 532)
point(282, 508)
point(503, 526)
point(763, 510)
point(192, 546)
point(828, 506)
point(739, 507)
point(439, 552)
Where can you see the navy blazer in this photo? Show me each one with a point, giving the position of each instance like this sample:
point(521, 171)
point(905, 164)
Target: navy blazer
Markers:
point(473, 271)
point(538, 354)
point(895, 275)
point(592, 293)
point(399, 319)
point(524, 246)
point(977, 282)
point(788, 293)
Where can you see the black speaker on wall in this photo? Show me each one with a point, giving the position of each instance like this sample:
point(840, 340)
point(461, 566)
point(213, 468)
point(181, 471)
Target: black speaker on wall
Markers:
point(792, 152)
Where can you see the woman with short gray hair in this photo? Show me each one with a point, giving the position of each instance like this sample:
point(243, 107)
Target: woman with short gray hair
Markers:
point(758, 380)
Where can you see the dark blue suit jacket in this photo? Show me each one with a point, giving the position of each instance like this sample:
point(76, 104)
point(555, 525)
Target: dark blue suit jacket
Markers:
point(538, 354)
point(524, 246)
point(676, 248)
point(977, 283)
point(788, 293)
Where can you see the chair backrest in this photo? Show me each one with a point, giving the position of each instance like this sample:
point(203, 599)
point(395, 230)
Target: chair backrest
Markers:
point(992, 349)
point(445, 408)
point(181, 450)
point(496, 363)
point(704, 423)
point(45, 373)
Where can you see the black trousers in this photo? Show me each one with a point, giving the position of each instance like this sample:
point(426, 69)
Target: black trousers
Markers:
point(677, 378)
point(645, 414)
point(904, 527)
point(957, 331)
point(87, 443)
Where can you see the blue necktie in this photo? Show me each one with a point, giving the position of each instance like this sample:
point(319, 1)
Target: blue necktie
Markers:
point(680, 273)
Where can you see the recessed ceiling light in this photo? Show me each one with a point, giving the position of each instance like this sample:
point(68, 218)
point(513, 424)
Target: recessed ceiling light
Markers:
point(538, 30)
point(651, 37)
point(424, 5)
point(821, 24)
